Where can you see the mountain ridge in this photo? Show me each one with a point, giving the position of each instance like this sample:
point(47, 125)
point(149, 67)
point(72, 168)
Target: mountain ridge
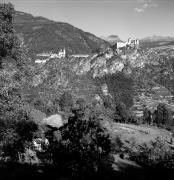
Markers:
point(157, 38)
point(156, 41)
point(40, 34)
point(112, 39)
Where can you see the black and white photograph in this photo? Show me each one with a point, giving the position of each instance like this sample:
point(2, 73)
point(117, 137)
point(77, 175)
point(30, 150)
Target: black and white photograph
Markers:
point(87, 89)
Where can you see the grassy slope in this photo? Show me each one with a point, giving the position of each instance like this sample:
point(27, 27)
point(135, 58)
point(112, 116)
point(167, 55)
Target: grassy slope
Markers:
point(141, 133)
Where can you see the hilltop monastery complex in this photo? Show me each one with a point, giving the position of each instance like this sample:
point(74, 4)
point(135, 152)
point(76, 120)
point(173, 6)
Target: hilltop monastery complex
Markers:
point(131, 42)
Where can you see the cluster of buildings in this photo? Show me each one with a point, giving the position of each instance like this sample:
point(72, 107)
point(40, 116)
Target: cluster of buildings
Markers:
point(48, 56)
point(130, 43)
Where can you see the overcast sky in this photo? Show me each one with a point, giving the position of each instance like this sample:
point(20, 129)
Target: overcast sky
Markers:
point(125, 18)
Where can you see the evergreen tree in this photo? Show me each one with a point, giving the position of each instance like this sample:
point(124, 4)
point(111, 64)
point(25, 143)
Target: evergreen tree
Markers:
point(162, 115)
point(121, 113)
point(9, 46)
point(147, 116)
point(66, 101)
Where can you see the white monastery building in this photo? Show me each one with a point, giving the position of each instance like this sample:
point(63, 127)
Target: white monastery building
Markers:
point(48, 56)
point(131, 43)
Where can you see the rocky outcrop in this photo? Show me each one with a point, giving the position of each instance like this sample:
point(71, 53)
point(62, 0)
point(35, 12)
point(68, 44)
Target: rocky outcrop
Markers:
point(54, 121)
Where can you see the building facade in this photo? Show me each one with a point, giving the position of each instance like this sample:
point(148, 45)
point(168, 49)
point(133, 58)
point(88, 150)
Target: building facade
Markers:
point(130, 43)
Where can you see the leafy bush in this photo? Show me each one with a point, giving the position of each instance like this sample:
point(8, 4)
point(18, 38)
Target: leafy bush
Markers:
point(117, 144)
point(16, 126)
point(147, 116)
point(66, 101)
point(162, 116)
point(84, 146)
point(121, 114)
point(156, 154)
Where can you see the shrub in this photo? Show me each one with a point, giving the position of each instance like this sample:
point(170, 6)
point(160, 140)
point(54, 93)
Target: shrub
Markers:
point(162, 116)
point(117, 145)
point(147, 116)
point(16, 126)
point(81, 103)
point(66, 101)
point(84, 146)
point(17, 130)
point(156, 154)
point(121, 113)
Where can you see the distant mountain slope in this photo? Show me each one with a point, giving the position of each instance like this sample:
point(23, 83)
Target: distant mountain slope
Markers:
point(156, 41)
point(40, 34)
point(112, 39)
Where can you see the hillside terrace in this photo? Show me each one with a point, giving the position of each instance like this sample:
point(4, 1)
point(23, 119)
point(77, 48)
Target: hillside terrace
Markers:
point(159, 94)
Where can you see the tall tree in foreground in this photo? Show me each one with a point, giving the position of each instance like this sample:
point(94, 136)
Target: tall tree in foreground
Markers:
point(9, 47)
point(16, 126)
